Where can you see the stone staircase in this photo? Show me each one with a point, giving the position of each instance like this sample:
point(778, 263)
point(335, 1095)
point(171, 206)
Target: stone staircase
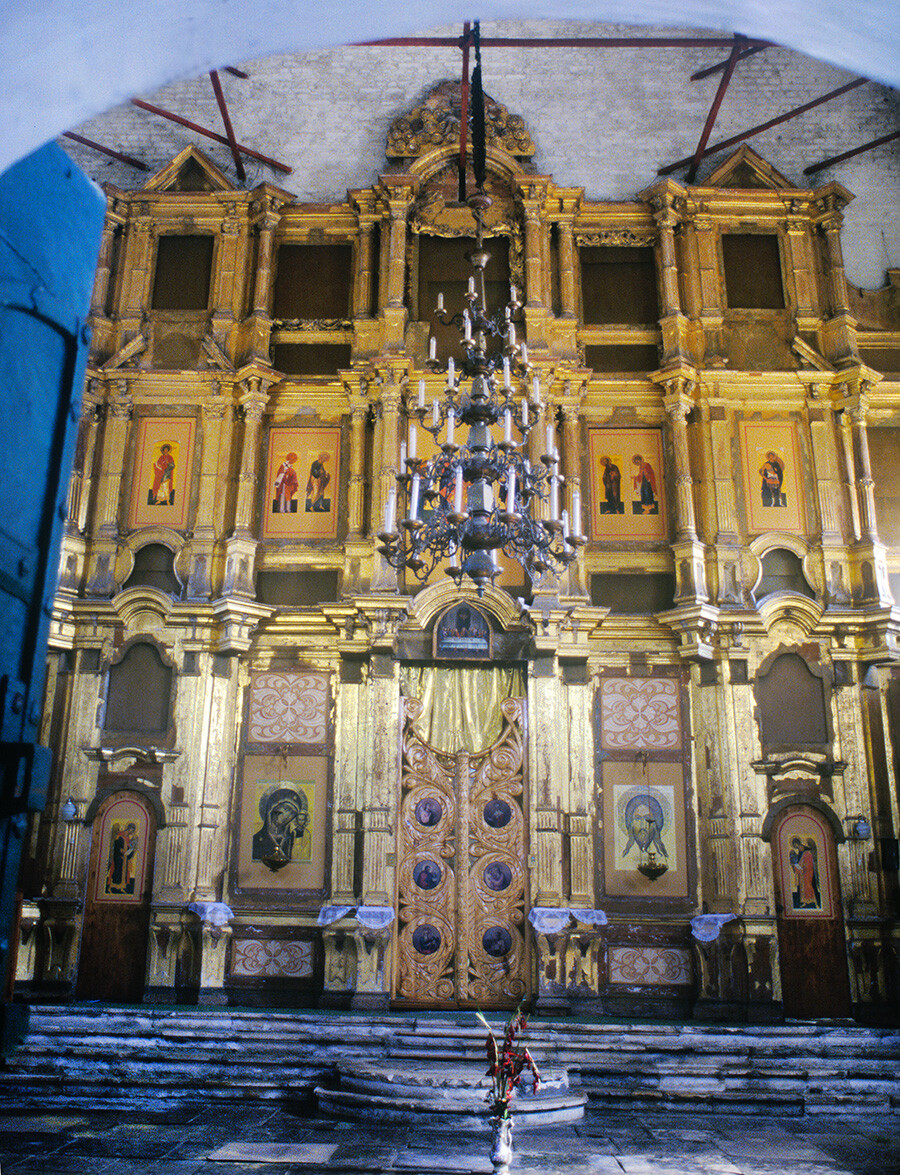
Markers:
point(89, 1056)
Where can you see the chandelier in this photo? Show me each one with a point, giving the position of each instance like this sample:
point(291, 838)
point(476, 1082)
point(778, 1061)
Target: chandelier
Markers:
point(477, 495)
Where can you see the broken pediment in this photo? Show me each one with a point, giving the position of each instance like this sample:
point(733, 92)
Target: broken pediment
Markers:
point(747, 170)
point(436, 122)
point(189, 171)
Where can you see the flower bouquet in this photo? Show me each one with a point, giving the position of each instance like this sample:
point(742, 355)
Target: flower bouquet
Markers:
point(505, 1067)
point(507, 1063)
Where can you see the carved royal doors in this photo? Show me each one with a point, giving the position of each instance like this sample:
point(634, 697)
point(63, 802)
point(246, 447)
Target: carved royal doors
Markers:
point(461, 877)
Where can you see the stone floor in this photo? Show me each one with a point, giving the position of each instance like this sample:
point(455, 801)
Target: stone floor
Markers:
point(234, 1139)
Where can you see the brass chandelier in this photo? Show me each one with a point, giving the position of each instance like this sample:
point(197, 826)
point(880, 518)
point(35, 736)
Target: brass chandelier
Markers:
point(476, 498)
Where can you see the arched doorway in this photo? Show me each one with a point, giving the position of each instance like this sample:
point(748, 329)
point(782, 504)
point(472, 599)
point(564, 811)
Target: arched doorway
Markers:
point(814, 978)
point(113, 955)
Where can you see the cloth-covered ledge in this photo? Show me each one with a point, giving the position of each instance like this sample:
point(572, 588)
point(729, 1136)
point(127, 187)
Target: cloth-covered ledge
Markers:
point(215, 913)
point(707, 927)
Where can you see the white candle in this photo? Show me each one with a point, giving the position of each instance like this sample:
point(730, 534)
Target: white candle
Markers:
point(451, 372)
point(512, 334)
point(506, 371)
point(565, 523)
point(458, 491)
point(421, 393)
point(414, 497)
point(413, 435)
point(467, 327)
point(524, 353)
point(536, 390)
point(432, 348)
point(507, 426)
point(524, 414)
point(512, 294)
point(403, 456)
point(554, 498)
point(440, 303)
point(435, 413)
point(451, 423)
point(549, 442)
point(389, 510)
point(471, 285)
point(511, 491)
point(576, 513)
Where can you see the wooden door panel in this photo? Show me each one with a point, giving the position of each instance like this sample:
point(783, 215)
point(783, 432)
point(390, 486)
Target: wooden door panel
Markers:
point(813, 957)
point(461, 877)
point(113, 956)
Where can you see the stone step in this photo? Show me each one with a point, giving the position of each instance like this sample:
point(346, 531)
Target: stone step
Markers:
point(87, 1054)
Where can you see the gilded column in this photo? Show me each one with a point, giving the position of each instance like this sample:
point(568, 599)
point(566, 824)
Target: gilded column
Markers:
point(241, 546)
point(119, 409)
point(687, 549)
point(365, 271)
point(711, 316)
point(103, 276)
point(253, 405)
point(359, 414)
point(571, 469)
point(839, 328)
point(398, 198)
point(386, 440)
point(262, 288)
point(210, 496)
point(835, 570)
point(565, 236)
point(137, 265)
point(799, 265)
point(226, 288)
point(663, 198)
point(871, 554)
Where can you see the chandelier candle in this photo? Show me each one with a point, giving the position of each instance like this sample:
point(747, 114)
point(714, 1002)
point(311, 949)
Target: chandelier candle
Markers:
point(480, 496)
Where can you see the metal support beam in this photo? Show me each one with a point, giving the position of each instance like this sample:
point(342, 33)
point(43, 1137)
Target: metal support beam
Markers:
point(764, 126)
point(849, 154)
point(226, 121)
point(714, 109)
point(567, 43)
point(105, 150)
point(711, 69)
point(202, 130)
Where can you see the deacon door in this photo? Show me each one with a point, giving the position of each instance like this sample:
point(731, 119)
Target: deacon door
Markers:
point(814, 977)
point(113, 957)
point(461, 876)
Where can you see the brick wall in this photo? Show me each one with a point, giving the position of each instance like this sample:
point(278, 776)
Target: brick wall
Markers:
point(601, 119)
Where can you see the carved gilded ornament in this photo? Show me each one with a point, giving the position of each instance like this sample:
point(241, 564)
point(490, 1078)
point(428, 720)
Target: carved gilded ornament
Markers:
point(616, 236)
point(437, 122)
point(437, 209)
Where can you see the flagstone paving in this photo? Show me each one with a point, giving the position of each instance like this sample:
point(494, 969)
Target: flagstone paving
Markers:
point(236, 1138)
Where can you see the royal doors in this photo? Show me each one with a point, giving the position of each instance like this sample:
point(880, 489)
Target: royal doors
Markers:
point(461, 880)
point(113, 955)
point(811, 943)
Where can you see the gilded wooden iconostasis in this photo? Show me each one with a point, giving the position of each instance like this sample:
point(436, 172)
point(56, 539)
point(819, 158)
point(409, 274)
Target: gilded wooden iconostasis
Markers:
point(711, 387)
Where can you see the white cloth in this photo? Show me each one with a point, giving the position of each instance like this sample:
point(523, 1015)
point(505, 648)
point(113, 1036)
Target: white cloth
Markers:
point(549, 919)
point(375, 917)
point(329, 914)
point(215, 913)
point(706, 927)
point(590, 917)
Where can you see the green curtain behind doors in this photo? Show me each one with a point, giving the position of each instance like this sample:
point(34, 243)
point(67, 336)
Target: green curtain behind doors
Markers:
point(461, 706)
